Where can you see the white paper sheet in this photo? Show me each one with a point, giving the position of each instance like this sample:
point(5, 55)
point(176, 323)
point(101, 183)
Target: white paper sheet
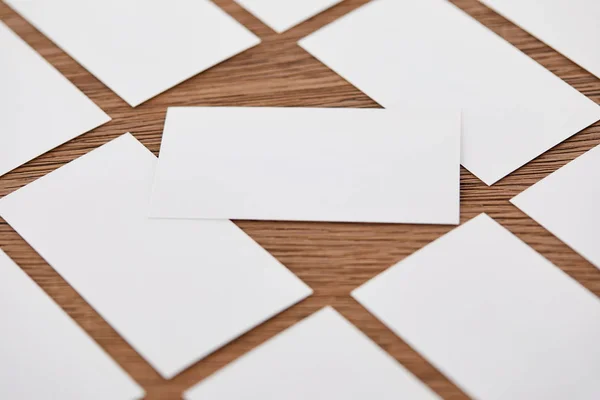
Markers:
point(569, 26)
point(44, 354)
point(39, 108)
point(405, 53)
point(493, 315)
point(567, 203)
point(139, 48)
point(175, 290)
point(309, 164)
point(283, 15)
point(322, 357)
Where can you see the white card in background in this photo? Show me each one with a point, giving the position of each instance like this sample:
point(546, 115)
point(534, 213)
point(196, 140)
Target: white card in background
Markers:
point(44, 354)
point(283, 15)
point(359, 165)
point(493, 315)
point(39, 108)
point(175, 290)
point(567, 203)
point(404, 53)
point(139, 48)
point(569, 26)
point(322, 357)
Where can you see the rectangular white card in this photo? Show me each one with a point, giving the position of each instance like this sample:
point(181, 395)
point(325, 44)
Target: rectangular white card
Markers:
point(44, 354)
point(139, 48)
point(322, 357)
point(404, 53)
point(283, 15)
point(360, 165)
point(175, 290)
point(39, 108)
point(567, 203)
point(569, 26)
point(493, 315)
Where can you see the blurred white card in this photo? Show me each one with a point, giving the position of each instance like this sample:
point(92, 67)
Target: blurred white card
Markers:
point(322, 357)
point(175, 290)
point(282, 15)
point(44, 354)
point(139, 48)
point(39, 108)
point(493, 315)
point(569, 26)
point(345, 165)
point(567, 203)
point(404, 53)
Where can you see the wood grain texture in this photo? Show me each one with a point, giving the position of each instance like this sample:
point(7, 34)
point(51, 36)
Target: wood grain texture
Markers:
point(332, 258)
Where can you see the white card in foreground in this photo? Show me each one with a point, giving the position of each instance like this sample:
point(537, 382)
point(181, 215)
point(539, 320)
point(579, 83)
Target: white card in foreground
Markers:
point(44, 354)
point(404, 53)
point(39, 108)
point(282, 15)
point(308, 164)
point(493, 315)
point(569, 26)
point(139, 48)
point(322, 357)
point(567, 203)
point(175, 290)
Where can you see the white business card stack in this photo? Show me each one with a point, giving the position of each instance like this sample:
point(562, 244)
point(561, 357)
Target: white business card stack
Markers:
point(566, 203)
point(39, 108)
point(403, 53)
point(493, 315)
point(148, 242)
point(139, 48)
point(44, 354)
point(176, 290)
point(305, 164)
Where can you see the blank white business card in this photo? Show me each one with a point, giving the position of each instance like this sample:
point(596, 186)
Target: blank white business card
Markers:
point(175, 290)
point(303, 164)
point(39, 108)
point(322, 357)
point(569, 26)
point(404, 53)
point(139, 48)
point(493, 315)
point(44, 354)
point(283, 15)
point(567, 203)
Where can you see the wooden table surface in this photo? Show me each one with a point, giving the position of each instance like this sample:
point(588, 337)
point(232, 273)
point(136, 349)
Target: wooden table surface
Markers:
point(332, 258)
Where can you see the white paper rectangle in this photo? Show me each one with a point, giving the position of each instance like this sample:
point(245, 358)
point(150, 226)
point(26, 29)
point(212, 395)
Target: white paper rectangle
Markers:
point(567, 203)
point(309, 164)
point(175, 290)
point(493, 315)
point(283, 15)
point(139, 48)
point(404, 53)
point(322, 357)
point(44, 354)
point(39, 108)
point(569, 26)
